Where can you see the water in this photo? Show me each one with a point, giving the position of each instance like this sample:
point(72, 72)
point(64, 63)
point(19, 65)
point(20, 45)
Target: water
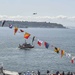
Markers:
point(38, 58)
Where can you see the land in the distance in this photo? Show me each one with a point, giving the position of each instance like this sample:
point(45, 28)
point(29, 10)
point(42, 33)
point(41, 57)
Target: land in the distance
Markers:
point(26, 24)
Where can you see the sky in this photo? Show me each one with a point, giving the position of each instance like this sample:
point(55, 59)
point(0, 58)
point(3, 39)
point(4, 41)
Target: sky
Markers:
point(54, 11)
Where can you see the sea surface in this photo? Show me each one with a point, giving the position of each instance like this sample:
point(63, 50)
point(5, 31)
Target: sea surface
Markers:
point(38, 58)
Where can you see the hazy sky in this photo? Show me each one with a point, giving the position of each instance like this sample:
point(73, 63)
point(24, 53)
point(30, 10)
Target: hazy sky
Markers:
point(58, 11)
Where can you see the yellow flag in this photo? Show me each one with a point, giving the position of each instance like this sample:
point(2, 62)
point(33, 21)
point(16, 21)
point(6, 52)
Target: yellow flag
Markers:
point(56, 49)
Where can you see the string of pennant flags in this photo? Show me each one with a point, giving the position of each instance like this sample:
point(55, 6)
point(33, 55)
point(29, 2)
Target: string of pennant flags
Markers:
point(40, 42)
point(46, 44)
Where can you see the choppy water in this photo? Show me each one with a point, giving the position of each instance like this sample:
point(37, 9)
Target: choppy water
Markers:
point(38, 58)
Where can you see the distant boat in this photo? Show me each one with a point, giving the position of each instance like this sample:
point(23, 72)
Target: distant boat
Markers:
point(34, 13)
point(26, 46)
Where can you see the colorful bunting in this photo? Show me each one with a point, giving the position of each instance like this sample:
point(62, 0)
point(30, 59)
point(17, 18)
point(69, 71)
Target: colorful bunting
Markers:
point(26, 35)
point(39, 42)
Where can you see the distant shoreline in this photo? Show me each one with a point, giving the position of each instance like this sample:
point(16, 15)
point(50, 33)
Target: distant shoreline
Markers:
point(26, 24)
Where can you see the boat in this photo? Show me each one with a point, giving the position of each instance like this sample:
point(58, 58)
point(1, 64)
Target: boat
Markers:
point(26, 46)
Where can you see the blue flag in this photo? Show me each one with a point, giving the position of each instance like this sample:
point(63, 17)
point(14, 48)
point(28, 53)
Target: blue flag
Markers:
point(46, 44)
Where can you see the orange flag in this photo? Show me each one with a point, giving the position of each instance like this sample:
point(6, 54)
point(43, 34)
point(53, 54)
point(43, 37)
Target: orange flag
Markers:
point(15, 30)
point(62, 52)
point(26, 35)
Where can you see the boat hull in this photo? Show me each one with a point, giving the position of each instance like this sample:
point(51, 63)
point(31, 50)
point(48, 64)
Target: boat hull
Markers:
point(25, 47)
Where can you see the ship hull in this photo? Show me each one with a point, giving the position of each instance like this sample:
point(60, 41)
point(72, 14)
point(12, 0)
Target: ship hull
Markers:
point(25, 47)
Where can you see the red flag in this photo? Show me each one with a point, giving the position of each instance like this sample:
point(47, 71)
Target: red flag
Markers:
point(72, 60)
point(21, 30)
point(39, 42)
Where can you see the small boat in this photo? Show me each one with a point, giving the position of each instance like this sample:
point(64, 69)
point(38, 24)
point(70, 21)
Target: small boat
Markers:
point(26, 46)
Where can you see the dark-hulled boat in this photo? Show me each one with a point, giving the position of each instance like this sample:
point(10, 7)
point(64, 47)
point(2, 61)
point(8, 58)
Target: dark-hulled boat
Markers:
point(26, 46)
